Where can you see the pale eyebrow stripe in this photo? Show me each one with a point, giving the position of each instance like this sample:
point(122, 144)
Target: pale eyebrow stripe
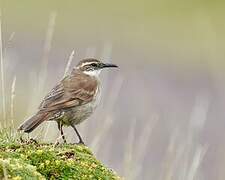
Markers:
point(86, 63)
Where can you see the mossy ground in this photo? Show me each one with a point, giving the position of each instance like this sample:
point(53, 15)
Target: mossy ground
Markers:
point(32, 160)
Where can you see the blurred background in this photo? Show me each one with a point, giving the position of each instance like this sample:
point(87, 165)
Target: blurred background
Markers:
point(162, 114)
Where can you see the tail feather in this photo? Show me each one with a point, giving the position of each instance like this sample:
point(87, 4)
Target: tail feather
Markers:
point(31, 123)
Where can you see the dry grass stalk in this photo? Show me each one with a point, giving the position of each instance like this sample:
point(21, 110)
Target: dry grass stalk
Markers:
point(107, 124)
point(129, 152)
point(9, 42)
point(5, 171)
point(196, 162)
point(12, 101)
point(69, 63)
point(142, 145)
point(47, 48)
point(2, 76)
point(44, 66)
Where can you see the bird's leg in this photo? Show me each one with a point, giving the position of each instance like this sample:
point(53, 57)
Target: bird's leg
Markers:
point(80, 139)
point(61, 131)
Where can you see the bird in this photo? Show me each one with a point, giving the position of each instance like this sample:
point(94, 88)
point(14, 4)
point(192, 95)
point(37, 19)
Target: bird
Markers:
point(72, 100)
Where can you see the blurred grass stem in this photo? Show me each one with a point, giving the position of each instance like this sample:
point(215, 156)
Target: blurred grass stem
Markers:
point(2, 76)
point(47, 48)
point(69, 64)
point(12, 102)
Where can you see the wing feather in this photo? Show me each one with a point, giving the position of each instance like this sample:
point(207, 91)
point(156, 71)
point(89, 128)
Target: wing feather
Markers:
point(72, 91)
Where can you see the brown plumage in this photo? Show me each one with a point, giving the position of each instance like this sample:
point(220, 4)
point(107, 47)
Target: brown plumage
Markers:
point(73, 90)
point(72, 100)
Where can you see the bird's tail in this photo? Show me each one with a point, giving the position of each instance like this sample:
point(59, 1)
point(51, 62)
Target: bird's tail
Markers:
point(31, 123)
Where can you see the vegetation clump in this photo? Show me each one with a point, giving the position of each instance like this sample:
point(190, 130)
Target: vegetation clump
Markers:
point(32, 160)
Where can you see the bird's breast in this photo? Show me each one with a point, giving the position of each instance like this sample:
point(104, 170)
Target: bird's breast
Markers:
point(80, 113)
point(76, 115)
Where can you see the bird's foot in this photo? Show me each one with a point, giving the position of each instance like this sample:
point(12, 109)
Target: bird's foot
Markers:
point(81, 143)
point(78, 143)
point(28, 141)
point(32, 141)
point(56, 144)
point(57, 141)
point(22, 140)
point(64, 140)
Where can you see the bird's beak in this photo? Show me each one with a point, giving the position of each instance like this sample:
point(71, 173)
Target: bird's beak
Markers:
point(107, 65)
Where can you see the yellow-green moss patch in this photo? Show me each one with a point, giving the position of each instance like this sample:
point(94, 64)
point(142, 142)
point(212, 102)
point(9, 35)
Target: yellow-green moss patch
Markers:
point(44, 161)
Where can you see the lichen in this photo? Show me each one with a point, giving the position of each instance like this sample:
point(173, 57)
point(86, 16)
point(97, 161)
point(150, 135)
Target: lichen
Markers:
point(31, 160)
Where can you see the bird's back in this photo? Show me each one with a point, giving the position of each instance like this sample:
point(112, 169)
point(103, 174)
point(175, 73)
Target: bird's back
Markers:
point(74, 90)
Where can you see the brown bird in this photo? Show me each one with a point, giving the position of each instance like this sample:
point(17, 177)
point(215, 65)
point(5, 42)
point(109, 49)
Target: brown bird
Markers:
point(72, 100)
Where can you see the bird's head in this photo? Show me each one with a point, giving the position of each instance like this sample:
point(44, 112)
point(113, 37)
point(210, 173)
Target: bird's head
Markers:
point(93, 66)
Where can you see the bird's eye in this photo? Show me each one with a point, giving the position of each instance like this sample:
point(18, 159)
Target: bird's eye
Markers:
point(94, 65)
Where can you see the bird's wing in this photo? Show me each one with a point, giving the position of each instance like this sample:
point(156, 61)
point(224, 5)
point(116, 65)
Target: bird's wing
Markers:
point(70, 92)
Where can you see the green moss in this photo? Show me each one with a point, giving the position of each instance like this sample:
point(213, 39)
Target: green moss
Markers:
point(44, 161)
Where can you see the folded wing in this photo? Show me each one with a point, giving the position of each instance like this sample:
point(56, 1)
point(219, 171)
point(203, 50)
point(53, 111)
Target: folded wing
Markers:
point(70, 92)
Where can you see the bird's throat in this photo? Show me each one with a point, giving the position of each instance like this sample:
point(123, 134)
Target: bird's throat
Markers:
point(94, 73)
